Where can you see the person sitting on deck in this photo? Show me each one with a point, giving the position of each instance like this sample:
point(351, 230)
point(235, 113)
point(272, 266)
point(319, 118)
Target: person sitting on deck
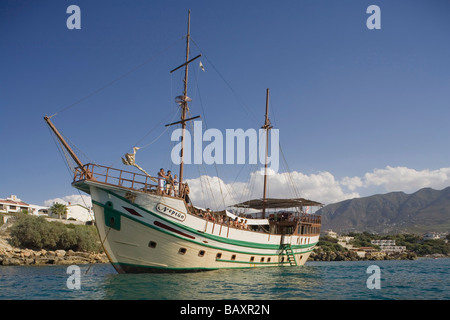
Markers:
point(161, 179)
point(208, 215)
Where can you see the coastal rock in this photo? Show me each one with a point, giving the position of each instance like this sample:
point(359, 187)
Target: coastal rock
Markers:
point(51, 254)
point(26, 253)
point(11, 262)
point(60, 253)
point(84, 254)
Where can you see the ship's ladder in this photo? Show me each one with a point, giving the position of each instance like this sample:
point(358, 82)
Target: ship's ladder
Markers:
point(290, 255)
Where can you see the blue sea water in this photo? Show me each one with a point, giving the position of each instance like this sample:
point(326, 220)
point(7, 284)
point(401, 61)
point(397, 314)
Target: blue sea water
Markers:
point(423, 279)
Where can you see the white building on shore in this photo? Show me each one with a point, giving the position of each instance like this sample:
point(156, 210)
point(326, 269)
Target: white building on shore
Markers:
point(331, 233)
point(13, 205)
point(388, 246)
point(431, 236)
point(75, 212)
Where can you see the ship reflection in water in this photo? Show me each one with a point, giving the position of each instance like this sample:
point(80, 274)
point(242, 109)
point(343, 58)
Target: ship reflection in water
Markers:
point(261, 283)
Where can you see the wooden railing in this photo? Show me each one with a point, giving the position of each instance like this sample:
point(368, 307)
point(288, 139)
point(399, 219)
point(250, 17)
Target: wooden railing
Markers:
point(123, 179)
point(116, 177)
point(311, 218)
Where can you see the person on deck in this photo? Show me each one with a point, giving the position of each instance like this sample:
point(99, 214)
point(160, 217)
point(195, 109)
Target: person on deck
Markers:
point(208, 214)
point(186, 193)
point(161, 180)
point(175, 186)
point(169, 183)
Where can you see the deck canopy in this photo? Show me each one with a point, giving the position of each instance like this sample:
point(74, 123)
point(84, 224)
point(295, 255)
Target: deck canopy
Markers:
point(272, 203)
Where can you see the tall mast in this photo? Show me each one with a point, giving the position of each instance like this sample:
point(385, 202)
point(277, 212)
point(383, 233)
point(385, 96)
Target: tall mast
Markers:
point(184, 104)
point(267, 127)
point(184, 99)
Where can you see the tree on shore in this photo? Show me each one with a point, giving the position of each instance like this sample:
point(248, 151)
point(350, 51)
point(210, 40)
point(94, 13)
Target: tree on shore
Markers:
point(59, 209)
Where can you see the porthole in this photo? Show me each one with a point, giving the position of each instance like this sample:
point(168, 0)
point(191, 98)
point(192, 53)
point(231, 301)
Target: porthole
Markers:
point(268, 259)
point(233, 257)
point(201, 253)
point(182, 251)
point(262, 259)
point(152, 244)
point(252, 259)
point(219, 255)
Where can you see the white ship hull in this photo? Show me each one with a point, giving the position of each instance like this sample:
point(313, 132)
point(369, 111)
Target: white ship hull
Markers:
point(143, 232)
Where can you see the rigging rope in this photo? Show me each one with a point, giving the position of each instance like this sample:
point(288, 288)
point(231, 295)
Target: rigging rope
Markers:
point(245, 107)
point(157, 138)
point(61, 152)
point(115, 80)
point(288, 176)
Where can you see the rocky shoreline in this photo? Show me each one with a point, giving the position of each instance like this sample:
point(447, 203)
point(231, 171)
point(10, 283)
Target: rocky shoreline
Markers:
point(28, 257)
point(321, 255)
point(13, 256)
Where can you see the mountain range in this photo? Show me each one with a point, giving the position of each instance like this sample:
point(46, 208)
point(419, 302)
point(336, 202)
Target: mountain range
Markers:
point(426, 210)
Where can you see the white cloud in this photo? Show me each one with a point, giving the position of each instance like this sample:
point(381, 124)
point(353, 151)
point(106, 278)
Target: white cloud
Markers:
point(406, 179)
point(84, 200)
point(215, 193)
point(352, 183)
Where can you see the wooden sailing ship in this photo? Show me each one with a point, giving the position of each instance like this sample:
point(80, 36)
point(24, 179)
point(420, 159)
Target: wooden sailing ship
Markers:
point(145, 230)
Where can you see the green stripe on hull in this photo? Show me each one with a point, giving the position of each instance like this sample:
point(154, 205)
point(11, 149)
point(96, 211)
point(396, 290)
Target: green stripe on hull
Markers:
point(135, 268)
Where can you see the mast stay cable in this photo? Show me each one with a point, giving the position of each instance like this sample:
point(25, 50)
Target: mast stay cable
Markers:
point(115, 80)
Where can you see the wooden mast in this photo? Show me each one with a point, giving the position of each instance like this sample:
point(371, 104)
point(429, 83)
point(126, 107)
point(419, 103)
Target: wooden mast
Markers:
point(183, 101)
point(184, 104)
point(267, 127)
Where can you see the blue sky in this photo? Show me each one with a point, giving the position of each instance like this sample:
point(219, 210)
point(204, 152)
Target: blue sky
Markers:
point(359, 111)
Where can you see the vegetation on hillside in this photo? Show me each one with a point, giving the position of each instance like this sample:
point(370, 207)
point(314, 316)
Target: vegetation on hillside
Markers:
point(37, 233)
